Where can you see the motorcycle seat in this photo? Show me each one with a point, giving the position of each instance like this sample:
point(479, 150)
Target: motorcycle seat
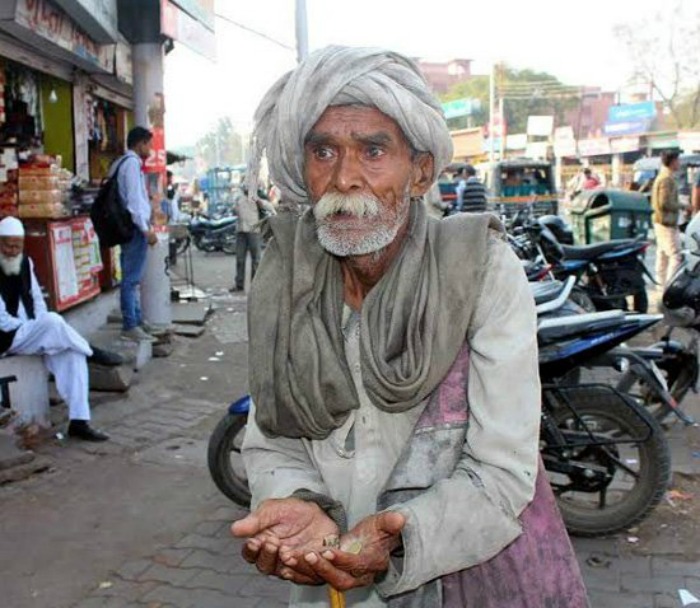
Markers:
point(558, 328)
point(590, 252)
point(546, 292)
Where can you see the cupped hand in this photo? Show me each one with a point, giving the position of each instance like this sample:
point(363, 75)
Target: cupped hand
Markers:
point(365, 552)
point(279, 531)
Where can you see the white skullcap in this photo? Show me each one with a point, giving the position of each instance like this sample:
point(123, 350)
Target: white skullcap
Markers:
point(11, 226)
point(337, 76)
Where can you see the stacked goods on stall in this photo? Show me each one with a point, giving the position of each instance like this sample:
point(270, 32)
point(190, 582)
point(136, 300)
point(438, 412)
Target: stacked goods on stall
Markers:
point(86, 253)
point(8, 182)
point(42, 188)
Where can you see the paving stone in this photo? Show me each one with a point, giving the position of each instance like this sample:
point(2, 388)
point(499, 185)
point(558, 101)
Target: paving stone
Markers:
point(646, 584)
point(197, 598)
point(640, 566)
point(666, 600)
point(223, 564)
point(212, 528)
point(661, 566)
point(603, 599)
point(163, 574)
point(601, 579)
point(125, 590)
point(230, 584)
point(131, 570)
point(171, 557)
point(266, 586)
point(207, 543)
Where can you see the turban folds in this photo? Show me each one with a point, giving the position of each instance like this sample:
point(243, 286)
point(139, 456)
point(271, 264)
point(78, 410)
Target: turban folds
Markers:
point(336, 76)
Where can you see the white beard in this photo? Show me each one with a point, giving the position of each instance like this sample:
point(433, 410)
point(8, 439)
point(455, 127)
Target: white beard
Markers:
point(11, 266)
point(372, 229)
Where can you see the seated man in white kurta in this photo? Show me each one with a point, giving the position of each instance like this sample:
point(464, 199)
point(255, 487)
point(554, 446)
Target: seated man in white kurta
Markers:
point(27, 328)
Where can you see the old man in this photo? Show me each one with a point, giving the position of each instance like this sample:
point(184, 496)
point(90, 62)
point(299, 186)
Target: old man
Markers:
point(393, 364)
point(28, 328)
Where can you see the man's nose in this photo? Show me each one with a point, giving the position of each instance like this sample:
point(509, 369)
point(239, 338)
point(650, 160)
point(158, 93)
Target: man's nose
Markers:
point(348, 173)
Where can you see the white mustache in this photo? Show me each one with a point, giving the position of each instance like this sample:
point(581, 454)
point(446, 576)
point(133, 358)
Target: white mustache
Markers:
point(358, 205)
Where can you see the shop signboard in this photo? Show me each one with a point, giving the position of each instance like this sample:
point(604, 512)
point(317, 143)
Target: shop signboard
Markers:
point(180, 26)
point(156, 162)
point(97, 17)
point(39, 22)
point(123, 66)
point(689, 141)
point(597, 146)
point(620, 145)
point(201, 11)
point(460, 107)
point(644, 110)
point(537, 149)
point(540, 126)
point(628, 127)
point(517, 141)
point(564, 142)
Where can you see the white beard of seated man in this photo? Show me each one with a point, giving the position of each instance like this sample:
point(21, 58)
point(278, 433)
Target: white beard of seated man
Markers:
point(28, 328)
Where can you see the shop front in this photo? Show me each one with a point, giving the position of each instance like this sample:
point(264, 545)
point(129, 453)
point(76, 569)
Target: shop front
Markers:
point(60, 129)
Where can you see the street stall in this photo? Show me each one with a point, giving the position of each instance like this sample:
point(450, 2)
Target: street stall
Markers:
point(35, 141)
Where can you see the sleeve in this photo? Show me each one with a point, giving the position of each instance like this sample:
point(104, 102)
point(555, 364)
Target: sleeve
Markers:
point(131, 187)
point(459, 191)
point(37, 297)
point(277, 467)
point(470, 517)
point(7, 321)
point(667, 202)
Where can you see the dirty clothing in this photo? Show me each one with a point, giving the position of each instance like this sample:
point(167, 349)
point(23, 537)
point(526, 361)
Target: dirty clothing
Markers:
point(456, 465)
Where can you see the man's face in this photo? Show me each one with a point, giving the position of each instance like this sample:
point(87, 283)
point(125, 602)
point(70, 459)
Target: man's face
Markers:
point(360, 175)
point(11, 246)
point(143, 148)
point(675, 164)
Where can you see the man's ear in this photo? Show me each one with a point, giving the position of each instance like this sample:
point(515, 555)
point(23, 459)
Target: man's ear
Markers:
point(423, 166)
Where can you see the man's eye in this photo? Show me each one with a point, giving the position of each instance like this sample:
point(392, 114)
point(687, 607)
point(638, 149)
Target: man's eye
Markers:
point(375, 151)
point(322, 152)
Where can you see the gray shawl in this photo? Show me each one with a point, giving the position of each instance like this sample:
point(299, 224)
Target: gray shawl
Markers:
point(413, 322)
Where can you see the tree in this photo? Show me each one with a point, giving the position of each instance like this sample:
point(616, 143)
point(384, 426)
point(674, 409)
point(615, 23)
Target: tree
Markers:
point(222, 146)
point(664, 52)
point(524, 92)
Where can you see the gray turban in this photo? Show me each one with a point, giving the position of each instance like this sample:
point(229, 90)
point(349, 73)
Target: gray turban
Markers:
point(336, 76)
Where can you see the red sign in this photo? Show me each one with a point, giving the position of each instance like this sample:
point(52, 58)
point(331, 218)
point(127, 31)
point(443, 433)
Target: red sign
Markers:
point(157, 161)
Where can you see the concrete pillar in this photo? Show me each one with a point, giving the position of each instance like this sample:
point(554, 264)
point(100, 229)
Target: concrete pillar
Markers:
point(616, 170)
point(149, 112)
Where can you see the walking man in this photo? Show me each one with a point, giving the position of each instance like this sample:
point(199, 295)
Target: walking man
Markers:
point(248, 238)
point(132, 190)
point(667, 207)
point(393, 364)
point(28, 328)
point(471, 193)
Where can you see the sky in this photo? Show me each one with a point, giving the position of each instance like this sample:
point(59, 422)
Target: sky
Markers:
point(573, 40)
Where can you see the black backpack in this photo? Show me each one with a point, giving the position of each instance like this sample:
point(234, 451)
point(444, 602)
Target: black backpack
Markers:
point(109, 215)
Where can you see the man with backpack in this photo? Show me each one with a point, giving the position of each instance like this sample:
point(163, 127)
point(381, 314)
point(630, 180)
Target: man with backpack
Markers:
point(132, 191)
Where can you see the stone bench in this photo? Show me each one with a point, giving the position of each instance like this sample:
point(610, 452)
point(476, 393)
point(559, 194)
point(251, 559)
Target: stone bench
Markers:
point(29, 395)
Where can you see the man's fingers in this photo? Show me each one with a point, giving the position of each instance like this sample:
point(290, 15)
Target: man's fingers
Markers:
point(391, 522)
point(338, 579)
point(267, 559)
point(251, 550)
point(246, 527)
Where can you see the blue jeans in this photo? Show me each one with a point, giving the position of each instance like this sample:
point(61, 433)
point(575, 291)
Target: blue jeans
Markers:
point(133, 261)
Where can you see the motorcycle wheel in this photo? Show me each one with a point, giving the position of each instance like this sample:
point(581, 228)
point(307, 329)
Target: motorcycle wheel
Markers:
point(225, 460)
point(640, 301)
point(581, 298)
point(641, 471)
point(229, 245)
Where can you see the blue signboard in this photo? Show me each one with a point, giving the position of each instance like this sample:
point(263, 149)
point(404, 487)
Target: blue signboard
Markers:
point(628, 127)
point(644, 110)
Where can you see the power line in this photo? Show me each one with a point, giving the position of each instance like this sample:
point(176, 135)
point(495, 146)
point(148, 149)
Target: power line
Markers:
point(256, 32)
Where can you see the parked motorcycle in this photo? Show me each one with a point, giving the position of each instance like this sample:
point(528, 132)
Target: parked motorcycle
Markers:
point(605, 272)
point(214, 234)
point(607, 457)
